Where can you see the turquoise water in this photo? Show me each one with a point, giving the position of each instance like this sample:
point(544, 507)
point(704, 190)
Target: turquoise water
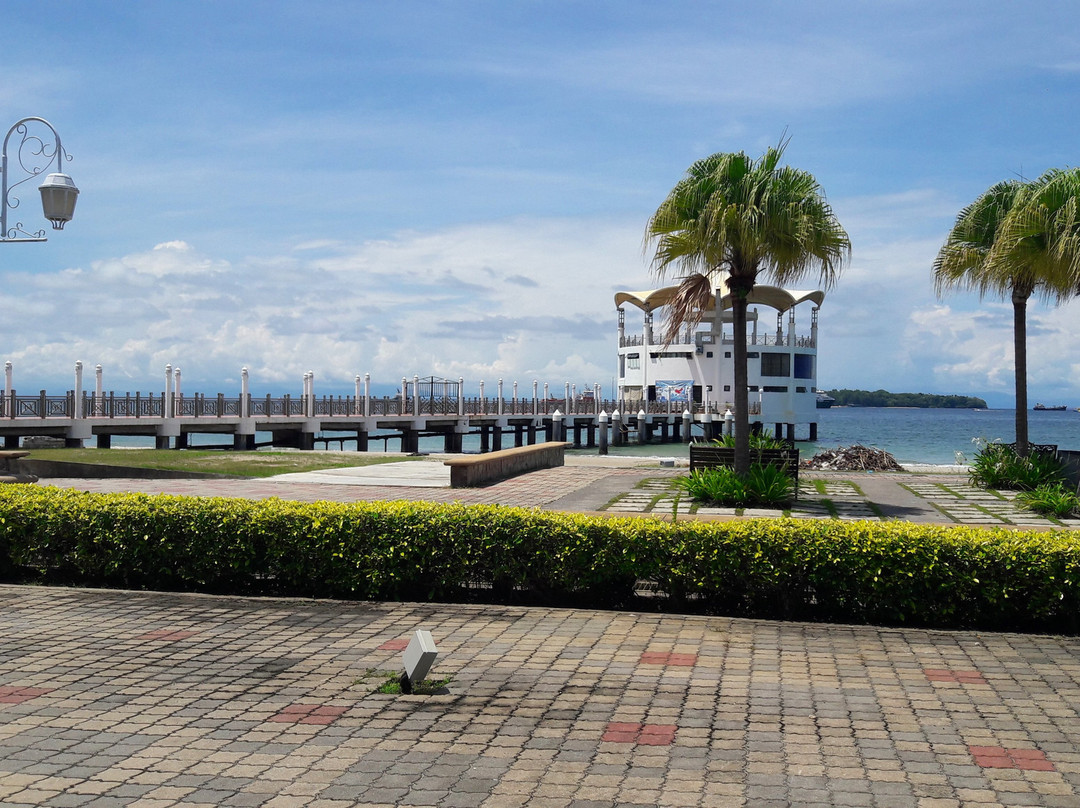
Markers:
point(917, 435)
point(910, 435)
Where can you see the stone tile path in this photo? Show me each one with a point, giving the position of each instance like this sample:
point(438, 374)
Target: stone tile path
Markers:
point(111, 699)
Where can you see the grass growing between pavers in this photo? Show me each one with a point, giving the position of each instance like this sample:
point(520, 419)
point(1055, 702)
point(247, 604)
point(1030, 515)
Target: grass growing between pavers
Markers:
point(240, 464)
point(389, 683)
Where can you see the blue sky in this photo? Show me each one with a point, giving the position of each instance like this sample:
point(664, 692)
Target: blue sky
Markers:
point(458, 188)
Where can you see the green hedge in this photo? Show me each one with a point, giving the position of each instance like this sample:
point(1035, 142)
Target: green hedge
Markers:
point(859, 572)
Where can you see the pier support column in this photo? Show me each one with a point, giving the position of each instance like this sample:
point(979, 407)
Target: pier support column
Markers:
point(103, 441)
point(246, 443)
point(160, 442)
point(813, 431)
point(361, 440)
point(577, 435)
point(791, 432)
point(687, 423)
point(590, 435)
point(410, 441)
point(496, 437)
point(519, 435)
point(531, 430)
point(779, 431)
point(664, 431)
point(11, 441)
point(181, 441)
point(452, 442)
point(485, 439)
point(675, 434)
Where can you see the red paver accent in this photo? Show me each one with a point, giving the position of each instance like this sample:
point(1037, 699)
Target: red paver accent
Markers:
point(641, 734)
point(662, 658)
point(166, 635)
point(308, 714)
point(17, 695)
point(960, 677)
point(394, 645)
point(998, 757)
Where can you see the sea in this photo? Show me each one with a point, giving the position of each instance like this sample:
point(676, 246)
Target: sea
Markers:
point(914, 435)
point(933, 436)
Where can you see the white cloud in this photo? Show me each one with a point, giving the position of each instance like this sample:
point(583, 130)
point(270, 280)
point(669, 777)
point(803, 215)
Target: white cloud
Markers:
point(518, 299)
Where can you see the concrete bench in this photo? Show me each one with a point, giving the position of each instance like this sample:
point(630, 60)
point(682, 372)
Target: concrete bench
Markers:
point(9, 473)
point(473, 470)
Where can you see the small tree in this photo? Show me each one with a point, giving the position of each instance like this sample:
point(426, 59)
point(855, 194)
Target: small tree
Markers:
point(1018, 239)
point(729, 219)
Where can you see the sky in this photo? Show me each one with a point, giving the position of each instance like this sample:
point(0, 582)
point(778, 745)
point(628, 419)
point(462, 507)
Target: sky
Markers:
point(457, 189)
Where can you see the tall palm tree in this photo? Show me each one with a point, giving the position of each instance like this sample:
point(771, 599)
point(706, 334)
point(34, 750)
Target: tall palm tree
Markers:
point(1018, 239)
point(731, 218)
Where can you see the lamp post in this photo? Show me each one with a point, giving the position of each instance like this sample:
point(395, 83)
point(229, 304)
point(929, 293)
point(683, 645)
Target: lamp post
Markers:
point(34, 153)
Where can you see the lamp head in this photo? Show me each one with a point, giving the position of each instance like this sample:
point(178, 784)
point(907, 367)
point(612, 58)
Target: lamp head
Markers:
point(58, 196)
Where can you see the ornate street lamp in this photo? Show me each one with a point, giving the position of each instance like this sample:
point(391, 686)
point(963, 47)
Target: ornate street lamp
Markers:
point(34, 154)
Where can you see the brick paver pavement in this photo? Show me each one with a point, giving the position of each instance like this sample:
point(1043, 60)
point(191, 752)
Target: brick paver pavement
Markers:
point(160, 701)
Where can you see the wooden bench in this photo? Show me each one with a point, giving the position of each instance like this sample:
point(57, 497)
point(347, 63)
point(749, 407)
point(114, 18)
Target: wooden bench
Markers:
point(473, 470)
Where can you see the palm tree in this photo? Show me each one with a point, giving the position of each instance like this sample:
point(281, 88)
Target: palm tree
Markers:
point(1018, 239)
point(731, 218)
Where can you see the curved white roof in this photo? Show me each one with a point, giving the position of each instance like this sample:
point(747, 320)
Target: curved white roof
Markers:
point(773, 296)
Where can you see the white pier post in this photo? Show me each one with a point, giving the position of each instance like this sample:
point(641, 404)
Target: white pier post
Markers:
point(687, 423)
point(534, 396)
point(177, 393)
point(7, 379)
point(602, 418)
point(573, 398)
point(78, 390)
point(404, 393)
point(500, 405)
point(513, 406)
point(566, 397)
point(597, 390)
point(557, 426)
point(616, 428)
point(356, 403)
point(168, 408)
point(245, 394)
point(367, 395)
point(416, 395)
point(547, 396)
point(311, 393)
point(642, 427)
point(483, 402)
point(461, 395)
point(99, 400)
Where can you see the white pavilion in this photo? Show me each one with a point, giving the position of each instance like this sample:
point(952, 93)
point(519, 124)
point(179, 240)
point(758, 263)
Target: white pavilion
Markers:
point(696, 370)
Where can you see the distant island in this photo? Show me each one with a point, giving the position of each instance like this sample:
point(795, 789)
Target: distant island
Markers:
point(883, 398)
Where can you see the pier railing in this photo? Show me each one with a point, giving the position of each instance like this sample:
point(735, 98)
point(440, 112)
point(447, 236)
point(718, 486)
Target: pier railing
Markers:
point(197, 405)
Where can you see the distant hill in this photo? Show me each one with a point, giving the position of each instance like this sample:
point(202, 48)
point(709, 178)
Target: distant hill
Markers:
point(883, 398)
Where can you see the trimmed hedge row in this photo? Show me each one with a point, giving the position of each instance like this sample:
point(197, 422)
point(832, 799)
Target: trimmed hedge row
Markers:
point(860, 572)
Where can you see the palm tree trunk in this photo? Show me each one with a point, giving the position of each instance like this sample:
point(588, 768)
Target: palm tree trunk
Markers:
point(1019, 301)
point(742, 409)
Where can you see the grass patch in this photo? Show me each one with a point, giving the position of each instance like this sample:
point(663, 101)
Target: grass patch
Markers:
point(391, 685)
point(241, 464)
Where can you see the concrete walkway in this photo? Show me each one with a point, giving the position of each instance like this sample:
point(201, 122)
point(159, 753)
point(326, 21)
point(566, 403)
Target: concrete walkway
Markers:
point(147, 700)
point(625, 486)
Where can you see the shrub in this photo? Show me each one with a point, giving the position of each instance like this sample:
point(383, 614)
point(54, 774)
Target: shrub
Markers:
point(862, 572)
point(758, 440)
point(765, 484)
point(1050, 499)
point(998, 466)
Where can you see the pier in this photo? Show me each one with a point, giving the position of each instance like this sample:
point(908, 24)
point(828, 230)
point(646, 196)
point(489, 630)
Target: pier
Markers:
point(422, 408)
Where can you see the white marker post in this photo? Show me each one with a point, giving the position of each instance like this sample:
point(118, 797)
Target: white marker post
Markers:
point(418, 658)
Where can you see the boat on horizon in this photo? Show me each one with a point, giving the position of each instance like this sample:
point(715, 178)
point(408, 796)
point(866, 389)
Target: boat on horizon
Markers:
point(824, 401)
point(1044, 408)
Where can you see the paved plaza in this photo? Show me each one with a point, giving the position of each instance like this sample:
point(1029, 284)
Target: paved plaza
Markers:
point(156, 700)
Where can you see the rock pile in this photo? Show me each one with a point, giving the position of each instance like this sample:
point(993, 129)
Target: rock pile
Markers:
point(853, 458)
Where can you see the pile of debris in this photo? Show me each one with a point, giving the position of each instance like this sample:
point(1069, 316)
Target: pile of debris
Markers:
point(853, 458)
